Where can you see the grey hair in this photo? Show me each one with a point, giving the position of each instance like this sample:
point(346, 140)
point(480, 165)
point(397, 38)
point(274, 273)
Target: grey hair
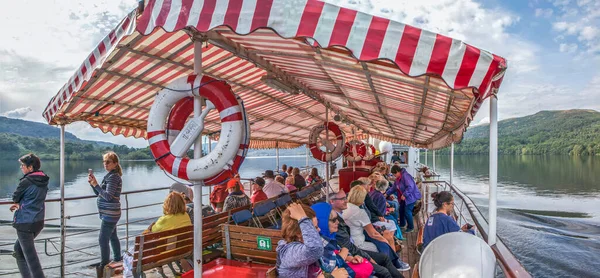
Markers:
point(365, 180)
point(382, 185)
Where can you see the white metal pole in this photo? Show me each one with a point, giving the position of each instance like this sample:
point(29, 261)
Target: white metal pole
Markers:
point(493, 169)
point(426, 158)
point(451, 163)
point(327, 150)
point(209, 150)
point(433, 158)
point(62, 202)
point(306, 155)
point(277, 155)
point(198, 184)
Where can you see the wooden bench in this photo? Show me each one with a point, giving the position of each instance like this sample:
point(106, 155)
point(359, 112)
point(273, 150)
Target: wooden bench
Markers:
point(242, 243)
point(211, 234)
point(158, 249)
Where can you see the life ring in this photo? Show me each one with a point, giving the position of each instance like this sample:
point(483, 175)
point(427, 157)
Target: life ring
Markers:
point(355, 151)
point(176, 121)
point(370, 152)
point(316, 152)
point(221, 158)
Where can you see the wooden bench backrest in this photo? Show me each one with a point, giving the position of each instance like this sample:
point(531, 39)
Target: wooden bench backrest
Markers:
point(156, 249)
point(240, 242)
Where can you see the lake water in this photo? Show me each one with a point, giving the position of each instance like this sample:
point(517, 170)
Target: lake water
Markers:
point(549, 209)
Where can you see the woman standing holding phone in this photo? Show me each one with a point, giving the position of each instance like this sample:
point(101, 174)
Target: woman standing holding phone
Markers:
point(109, 208)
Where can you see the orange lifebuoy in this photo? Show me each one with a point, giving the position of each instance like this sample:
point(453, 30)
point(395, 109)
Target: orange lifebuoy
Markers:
point(316, 152)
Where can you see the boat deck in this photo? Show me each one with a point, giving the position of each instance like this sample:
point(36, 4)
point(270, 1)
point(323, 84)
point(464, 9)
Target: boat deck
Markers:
point(409, 251)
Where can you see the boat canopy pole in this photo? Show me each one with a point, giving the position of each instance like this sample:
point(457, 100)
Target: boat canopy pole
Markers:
point(63, 234)
point(198, 184)
point(493, 169)
point(426, 157)
point(327, 150)
point(277, 156)
point(433, 157)
point(451, 163)
point(306, 146)
point(209, 150)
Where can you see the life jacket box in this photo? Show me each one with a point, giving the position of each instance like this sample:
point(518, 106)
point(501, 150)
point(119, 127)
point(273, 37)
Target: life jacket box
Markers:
point(348, 175)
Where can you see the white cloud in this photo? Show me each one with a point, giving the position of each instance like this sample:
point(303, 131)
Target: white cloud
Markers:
point(580, 21)
point(582, 3)
point(561, 2)
point(17, 113)
point(545, 13)
point(589, 33)
point(562, 26)
point(568, 48)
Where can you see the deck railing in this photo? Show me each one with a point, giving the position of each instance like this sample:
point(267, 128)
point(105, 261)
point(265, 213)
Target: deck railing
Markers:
point(52, 243)
point(467, 212)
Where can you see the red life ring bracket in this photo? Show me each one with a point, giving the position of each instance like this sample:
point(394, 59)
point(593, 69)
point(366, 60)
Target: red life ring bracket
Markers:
point(225, 158)
point(334, 151)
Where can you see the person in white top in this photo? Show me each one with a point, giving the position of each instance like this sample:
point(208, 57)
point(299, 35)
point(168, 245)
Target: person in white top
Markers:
point(272, 187)
point(358, 221)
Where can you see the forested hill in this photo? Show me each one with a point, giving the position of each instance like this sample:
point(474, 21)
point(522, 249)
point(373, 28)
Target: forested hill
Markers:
point(18, 137)
point(572, 132)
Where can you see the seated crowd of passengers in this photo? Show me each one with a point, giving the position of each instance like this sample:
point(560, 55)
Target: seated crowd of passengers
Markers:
point(353, 235)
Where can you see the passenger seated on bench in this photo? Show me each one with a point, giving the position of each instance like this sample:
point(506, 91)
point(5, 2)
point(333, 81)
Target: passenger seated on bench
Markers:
point(236, 198)
point(289, 183)
point(257, 190)
point(359, 222)
point(283, 172)
point(376, 217)
point(299, 181)
point(174, 215)
point(382, 205)
point(440, 222)
point(219, 193)
point(313, 178)
point(333, 254)
point(382, 264)
point(272, 188)
point(188, 196)
point(301, 247)
point(363, 232)
point(280, 179)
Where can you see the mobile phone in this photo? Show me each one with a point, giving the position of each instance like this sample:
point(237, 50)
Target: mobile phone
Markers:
point(469, 226)
point(90, 172)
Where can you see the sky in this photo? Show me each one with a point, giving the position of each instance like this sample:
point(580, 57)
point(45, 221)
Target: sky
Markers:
point(552, 48)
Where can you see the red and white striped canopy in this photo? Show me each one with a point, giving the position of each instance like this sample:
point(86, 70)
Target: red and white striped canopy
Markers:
point(385, 79)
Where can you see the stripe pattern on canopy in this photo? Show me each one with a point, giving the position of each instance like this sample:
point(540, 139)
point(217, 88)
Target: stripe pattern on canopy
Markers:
point(385, 79)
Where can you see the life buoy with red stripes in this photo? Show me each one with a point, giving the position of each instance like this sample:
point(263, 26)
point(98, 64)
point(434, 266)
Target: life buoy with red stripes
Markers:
point(225, 157)
point(355, 151)
point(181, 112)
point(313, 138)
point(370, 151)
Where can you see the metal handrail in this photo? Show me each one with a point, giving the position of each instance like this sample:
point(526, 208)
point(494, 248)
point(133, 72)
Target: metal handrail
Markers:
point(510, 265)
point(50, 240)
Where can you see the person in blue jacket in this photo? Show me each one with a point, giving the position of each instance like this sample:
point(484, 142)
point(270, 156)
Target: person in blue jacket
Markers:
point(29, 209)
point(407, 191)
point(440, 222)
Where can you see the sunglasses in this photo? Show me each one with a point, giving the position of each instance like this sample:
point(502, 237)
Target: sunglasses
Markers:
point(340, 199)
point(333, 220)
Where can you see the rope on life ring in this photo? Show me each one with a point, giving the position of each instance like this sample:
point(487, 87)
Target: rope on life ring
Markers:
point(370, 152)
point(333, 151)
point(182, 111)
point(355, 151)
point(170, 152)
